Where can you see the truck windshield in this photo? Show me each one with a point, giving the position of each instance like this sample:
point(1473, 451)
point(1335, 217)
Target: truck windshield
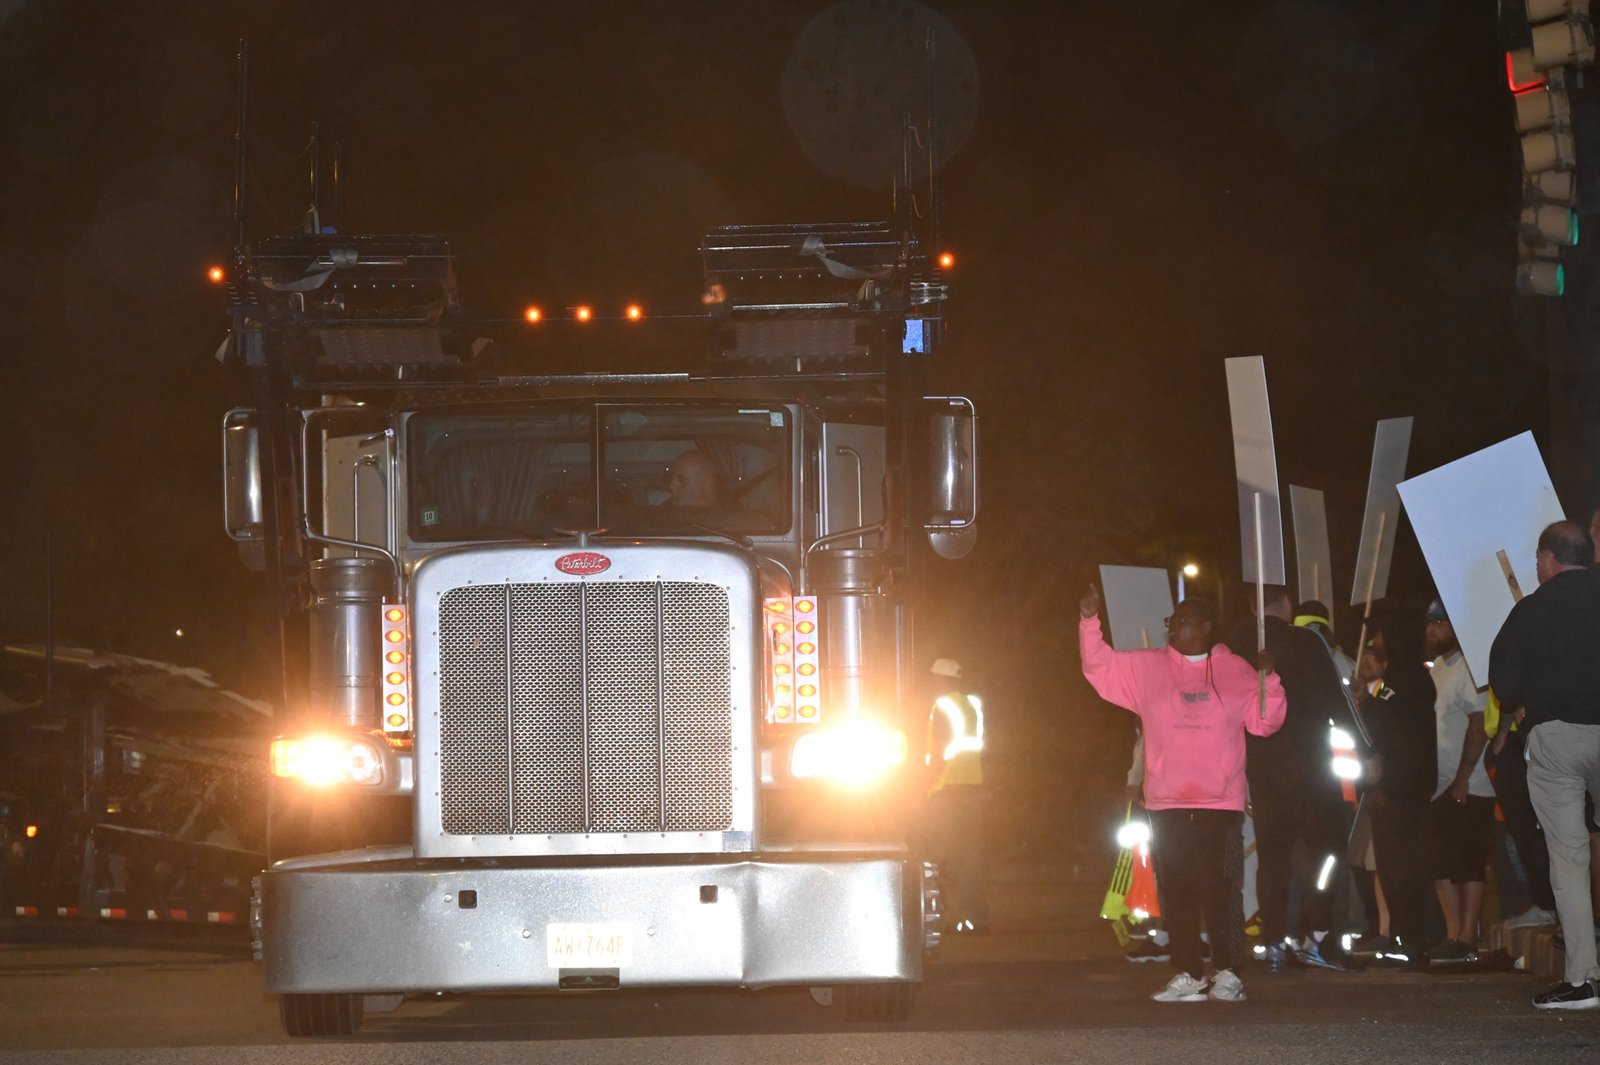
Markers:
point(656, 469)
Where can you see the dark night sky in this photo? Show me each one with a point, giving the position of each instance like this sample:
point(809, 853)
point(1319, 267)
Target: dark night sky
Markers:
point(1136, 192)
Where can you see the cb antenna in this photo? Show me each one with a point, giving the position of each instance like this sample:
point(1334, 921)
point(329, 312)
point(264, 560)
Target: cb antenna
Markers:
point(241, 134)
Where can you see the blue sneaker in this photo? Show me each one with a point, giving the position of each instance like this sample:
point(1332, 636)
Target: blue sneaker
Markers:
point(1326, 955)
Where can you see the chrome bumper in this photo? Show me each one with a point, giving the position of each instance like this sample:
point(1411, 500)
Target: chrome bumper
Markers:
point(381, 922)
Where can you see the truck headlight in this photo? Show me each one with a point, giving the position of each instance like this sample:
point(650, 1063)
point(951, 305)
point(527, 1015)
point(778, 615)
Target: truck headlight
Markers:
point(856, 751)
point(325, 761)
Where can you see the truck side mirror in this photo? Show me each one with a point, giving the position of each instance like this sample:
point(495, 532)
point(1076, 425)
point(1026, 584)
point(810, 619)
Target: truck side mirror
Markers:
point(952, 515)
point(242, 510)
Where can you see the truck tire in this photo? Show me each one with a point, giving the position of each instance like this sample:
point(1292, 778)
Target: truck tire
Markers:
point(320, 1016)
point(884, 1003)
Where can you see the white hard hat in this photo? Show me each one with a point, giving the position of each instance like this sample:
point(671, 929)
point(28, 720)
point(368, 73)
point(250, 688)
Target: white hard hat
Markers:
point(945, 667)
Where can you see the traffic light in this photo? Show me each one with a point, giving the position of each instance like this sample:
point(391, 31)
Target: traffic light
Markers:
point(1560, 37)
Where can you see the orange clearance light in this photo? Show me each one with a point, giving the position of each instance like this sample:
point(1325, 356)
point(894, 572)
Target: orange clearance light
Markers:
point(808, 712)
point(32, 831)
point(807, 648)
point(780, 628)
point(777, 606)
point(782, 649)
point(808, 690)
point(394, 613)
point(533, 315)
point(805, 606)
point(216, 275)
point(396, 699)
point(807, 668)
point(635, 312)
point(396, 678)
point(784, 689)
point(806, 628)
point(946, 260)
point(395, 657)
point(782, 669)
point(583, 314)
point(397, 720)
point(394, 636)
point(782, 713)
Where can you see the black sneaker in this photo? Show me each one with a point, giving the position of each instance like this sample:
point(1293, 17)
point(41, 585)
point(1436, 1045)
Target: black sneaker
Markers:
point(1565, 996)
point(1149, 950)
point(1452, 950)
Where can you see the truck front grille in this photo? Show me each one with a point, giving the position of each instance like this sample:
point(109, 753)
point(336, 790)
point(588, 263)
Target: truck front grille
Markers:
point(585, 708)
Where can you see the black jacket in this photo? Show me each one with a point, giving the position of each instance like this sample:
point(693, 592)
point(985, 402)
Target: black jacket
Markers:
point(1405, 733)
point(1298, 754)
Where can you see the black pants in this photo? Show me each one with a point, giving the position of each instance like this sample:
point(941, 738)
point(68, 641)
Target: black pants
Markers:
point(1199, 861)
point(1286, 815)
point(1397, 842)
point(954, 838)
point(1511, 788)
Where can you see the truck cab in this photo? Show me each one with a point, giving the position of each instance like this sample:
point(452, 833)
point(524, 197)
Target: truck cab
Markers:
point(596, 680)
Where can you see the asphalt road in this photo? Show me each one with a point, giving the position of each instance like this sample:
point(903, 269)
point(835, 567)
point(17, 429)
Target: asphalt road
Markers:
point(1054, 992)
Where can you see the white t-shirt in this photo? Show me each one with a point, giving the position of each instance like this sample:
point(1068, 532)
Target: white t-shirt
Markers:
point(1457, 699)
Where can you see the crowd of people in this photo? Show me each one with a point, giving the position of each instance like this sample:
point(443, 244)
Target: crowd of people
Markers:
point(1433, 750)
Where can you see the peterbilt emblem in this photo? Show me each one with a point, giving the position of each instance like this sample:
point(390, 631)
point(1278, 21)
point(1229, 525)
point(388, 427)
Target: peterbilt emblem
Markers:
point(583, 563)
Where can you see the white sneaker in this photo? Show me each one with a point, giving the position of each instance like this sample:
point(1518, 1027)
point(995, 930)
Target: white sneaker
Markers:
point(1532, 917)
point(1227, 987)
point(1182, 988)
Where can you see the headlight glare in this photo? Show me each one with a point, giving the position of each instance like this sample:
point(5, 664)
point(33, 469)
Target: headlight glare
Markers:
point(1131, 834)
point(1347, 768)
point(857, 751)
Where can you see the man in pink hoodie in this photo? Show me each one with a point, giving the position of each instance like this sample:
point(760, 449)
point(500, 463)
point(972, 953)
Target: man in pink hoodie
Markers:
point(1195, 700)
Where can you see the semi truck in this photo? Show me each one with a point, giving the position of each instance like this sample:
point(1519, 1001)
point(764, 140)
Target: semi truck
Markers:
point(598, 679)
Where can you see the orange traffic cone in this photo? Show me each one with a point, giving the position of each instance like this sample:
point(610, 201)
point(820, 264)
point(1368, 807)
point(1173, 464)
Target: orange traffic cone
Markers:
point(1141, 897)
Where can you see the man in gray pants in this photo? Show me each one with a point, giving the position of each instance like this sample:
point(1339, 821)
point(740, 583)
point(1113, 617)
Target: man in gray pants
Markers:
point(1546, 663)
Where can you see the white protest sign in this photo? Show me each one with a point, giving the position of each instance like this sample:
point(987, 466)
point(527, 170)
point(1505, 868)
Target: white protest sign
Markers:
point(1138, 603)
point(1256, 465)
point(1465, 513)
point(1313, 562)
point(1390, 446)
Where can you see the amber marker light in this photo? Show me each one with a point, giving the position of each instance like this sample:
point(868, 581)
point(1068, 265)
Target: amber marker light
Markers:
point(946, 260)
point(216, 275)
point(634, 312)
point(394, 636)
point(806, 628)
point(394, 613)
point(395, 658)
point(396, 699)
point(533, 315)
point(583, 314)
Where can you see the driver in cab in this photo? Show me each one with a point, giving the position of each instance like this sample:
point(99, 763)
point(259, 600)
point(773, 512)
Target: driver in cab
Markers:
point(694, 481)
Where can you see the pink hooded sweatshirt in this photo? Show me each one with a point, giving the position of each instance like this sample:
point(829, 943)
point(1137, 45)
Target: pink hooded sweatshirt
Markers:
point(1195, 715)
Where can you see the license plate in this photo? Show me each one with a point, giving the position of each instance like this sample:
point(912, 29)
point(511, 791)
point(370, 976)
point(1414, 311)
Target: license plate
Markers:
point(600, 945)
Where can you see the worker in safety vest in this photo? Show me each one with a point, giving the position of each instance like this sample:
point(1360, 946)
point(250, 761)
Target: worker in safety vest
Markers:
point(954, 829)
